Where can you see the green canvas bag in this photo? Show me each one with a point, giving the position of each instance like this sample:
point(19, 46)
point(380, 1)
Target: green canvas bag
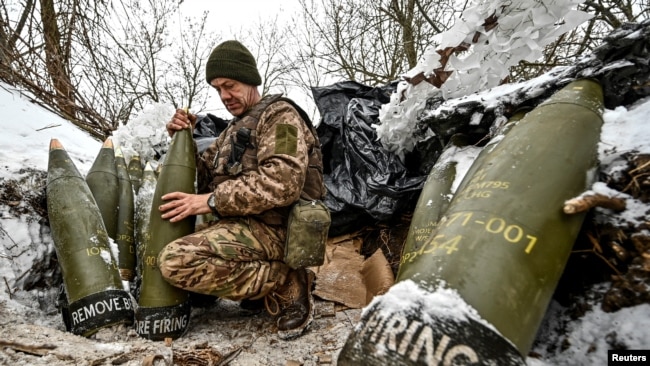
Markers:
point(309, 222)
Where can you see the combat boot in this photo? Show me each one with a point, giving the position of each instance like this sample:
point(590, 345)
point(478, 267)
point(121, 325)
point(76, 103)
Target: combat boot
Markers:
point(292, 303)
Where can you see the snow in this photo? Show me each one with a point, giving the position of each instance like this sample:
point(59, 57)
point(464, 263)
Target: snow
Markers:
point(443, 302)
point(617, 139)
point(594, 329)
point(144, 131)
point(524, 28)
point(27, 129)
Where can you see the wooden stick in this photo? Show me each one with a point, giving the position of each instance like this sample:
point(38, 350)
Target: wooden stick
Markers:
point(48, 126)
point(41, 350)
point(585, 203)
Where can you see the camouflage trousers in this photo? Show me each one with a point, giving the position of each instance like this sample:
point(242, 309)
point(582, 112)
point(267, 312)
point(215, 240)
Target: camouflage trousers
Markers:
point(235, 258)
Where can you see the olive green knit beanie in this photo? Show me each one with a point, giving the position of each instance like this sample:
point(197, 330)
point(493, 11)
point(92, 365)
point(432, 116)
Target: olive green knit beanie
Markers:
point(232, 60)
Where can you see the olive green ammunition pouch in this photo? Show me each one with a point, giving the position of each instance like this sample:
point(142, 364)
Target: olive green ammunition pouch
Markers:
point(309, 222)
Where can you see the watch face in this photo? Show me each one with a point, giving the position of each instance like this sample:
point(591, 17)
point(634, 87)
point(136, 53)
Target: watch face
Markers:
point(211, 201)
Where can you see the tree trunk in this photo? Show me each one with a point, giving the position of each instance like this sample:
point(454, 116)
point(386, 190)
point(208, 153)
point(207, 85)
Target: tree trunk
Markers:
point(55, 60)
point(404, 13)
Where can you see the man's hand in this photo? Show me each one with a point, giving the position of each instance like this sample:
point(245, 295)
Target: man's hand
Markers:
point(180, 120)
point(179, 205)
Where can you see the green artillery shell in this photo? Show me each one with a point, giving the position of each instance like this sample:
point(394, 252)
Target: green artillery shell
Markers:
point(135, 172)
point(90, 276)
point(103, 183)
point(437, 191)
point(164, 309)
point(435, 196)
point(501, 245)
point(143, 203)
point(125, 217)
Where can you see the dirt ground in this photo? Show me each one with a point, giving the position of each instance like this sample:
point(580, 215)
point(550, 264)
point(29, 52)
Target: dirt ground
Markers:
point(219, 334)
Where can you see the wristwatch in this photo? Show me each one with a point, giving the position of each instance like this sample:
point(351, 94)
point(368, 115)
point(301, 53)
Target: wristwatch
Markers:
point(212, 203)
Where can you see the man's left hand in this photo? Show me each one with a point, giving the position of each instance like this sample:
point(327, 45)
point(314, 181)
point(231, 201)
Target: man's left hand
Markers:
point(179, 205)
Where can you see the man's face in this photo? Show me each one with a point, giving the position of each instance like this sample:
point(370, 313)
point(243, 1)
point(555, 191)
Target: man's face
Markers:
point(236, 96)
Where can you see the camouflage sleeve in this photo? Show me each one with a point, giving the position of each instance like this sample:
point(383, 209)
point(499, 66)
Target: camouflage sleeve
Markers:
point(282, 156)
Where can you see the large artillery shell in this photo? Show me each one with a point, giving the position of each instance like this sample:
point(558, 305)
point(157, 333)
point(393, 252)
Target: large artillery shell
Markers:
point(124, 237)
point(164, 310)
point(501, 245)
point(91, 279)
point(435, 196)
point(103, 183)
point(135, 172)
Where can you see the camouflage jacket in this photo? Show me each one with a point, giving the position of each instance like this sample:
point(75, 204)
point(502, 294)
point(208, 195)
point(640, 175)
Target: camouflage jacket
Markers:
point(281, 162)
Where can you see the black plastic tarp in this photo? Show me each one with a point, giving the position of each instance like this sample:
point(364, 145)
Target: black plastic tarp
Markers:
point(208, 127)
point(365, 182)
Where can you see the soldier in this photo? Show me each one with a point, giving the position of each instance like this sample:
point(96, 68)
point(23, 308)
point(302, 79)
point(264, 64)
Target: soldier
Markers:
point(267, 158)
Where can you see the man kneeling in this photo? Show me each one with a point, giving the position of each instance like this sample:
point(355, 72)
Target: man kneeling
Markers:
point(265, 161)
